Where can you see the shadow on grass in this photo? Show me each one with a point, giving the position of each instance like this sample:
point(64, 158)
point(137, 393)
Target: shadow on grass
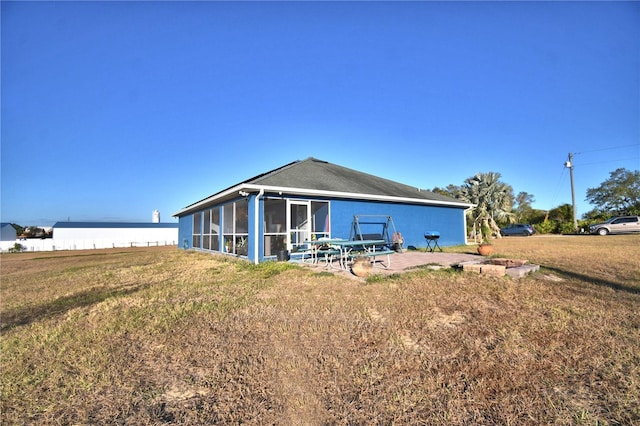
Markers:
point(29, 314)
point(75, 256)
point(596, 281)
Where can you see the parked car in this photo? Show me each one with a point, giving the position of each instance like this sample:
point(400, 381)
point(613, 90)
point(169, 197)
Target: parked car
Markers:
point(518, 229)
point(617, 225)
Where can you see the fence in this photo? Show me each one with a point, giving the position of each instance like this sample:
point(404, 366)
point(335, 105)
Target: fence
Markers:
point(50, 244)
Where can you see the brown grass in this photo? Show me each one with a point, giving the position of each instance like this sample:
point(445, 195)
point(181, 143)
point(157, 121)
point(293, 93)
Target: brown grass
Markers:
point(152, 336)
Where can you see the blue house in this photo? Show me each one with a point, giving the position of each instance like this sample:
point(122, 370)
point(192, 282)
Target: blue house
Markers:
point(311, 199)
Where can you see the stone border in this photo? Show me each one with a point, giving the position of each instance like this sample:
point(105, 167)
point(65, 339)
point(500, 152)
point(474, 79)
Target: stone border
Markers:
point(478, 267)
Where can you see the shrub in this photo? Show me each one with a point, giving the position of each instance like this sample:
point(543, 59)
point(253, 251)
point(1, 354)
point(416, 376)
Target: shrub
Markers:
point(545, 227)
point(567, 228)
point(17, 248)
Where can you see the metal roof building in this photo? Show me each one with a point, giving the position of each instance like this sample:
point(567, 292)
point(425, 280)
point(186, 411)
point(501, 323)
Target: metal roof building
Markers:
point(86, 235)
point(7, 232)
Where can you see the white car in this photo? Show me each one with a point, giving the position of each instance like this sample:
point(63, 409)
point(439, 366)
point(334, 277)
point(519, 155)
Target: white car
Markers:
point(617, 225)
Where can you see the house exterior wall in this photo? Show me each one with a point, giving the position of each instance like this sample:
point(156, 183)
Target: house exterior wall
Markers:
point(411, 220)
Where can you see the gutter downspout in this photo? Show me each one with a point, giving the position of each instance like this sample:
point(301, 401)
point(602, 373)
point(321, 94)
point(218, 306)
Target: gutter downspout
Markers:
point(256, 245)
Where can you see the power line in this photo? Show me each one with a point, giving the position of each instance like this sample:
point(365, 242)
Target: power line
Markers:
point(560, 181)
point(607, 149)
point(602, 162)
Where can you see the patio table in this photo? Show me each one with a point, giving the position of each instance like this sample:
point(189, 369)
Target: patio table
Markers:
point(347, 249)
point(325, 247)
point(368, 248)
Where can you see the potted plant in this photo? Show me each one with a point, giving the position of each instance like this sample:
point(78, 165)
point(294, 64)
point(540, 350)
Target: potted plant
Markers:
point(282, 254)
point(241, 246)
point(485, 248)
point(362, 267)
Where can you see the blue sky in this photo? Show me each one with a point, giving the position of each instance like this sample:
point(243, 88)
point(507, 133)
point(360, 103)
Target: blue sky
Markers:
point(113, 109)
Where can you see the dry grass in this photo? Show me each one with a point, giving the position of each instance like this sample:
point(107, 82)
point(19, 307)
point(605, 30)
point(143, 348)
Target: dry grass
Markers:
point(152, 336)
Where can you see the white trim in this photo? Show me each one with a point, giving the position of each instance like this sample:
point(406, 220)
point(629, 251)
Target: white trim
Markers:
point(464, 215)
point(194, 207)
point(290, 229)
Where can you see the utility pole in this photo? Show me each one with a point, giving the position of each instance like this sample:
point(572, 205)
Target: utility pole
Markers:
point(569, 164)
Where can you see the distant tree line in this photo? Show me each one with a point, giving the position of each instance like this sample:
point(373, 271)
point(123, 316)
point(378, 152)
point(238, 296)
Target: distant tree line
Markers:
point(31, 232)
point(497, 205)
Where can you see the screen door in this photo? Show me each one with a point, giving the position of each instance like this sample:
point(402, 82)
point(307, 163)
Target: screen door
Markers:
point(299, 229)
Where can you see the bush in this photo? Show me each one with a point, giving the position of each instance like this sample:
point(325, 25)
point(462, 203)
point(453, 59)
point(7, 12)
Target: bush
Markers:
point(567, 228)
point(545, 227)
point(17, 248)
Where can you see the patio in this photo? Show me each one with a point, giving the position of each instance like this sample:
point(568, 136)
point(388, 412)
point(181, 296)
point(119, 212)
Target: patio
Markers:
point(407, 260)
point(401, 262)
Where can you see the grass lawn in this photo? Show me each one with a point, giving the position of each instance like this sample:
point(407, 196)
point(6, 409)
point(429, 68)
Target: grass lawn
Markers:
point(160, 335)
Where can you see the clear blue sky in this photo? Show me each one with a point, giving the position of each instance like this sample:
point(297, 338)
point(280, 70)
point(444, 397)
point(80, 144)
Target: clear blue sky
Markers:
point(113, 109)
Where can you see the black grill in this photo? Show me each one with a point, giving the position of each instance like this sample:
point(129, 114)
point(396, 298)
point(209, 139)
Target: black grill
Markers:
point(432, 240)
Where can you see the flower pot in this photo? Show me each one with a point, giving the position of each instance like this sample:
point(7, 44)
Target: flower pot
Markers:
point(362, 267)
point(485, 249)
point(282, 255)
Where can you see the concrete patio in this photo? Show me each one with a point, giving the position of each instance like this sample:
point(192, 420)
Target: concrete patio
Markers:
point(411, 259)
point(408, 260)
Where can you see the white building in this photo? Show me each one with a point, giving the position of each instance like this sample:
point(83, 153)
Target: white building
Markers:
point(83, 235)
point(98, 235)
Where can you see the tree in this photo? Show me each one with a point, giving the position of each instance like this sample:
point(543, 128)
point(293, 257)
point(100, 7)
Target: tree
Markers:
point(450, 191)
point(19, 229)
point(562, 213)
point(562, 217)
point(17, 248)
point(34, 232)
point(595, 216)
point(493, 200)
point(618, 195)
point(523, 210)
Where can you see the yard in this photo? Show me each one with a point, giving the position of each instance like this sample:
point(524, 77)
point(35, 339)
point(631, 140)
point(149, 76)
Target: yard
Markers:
point(158, 335)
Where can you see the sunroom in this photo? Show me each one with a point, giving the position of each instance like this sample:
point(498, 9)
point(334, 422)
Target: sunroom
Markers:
point(286, 224)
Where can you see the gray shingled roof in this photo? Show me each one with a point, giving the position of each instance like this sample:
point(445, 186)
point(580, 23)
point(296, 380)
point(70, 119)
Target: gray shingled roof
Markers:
point(324, 176)
point(317, 177)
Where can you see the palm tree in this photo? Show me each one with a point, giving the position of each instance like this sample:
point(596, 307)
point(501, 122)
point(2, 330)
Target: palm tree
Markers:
point(493, 201)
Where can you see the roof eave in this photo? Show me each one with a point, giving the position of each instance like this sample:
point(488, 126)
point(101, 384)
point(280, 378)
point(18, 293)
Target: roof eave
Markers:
point(220, 196)
point(231, 193)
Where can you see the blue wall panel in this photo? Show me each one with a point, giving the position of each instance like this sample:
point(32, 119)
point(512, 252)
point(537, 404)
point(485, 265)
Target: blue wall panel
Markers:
point(185, 231)
point(412, 221)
